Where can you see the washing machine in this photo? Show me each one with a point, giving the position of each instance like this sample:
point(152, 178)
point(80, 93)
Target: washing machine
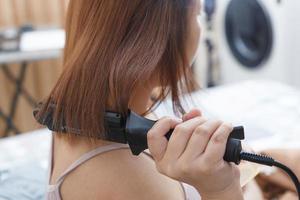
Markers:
point(253, 39)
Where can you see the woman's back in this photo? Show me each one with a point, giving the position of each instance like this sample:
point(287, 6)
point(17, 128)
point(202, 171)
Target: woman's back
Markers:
point(108, 171)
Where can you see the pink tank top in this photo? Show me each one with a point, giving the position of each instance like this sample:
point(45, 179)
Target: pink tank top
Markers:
point(53, 191)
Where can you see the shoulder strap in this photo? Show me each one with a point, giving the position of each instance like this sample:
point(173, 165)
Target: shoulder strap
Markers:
point(87, 156)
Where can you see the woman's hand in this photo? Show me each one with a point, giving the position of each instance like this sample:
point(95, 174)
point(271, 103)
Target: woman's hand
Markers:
point(194, 154)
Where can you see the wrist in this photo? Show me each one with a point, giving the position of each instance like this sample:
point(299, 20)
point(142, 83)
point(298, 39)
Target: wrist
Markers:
point(232, 192)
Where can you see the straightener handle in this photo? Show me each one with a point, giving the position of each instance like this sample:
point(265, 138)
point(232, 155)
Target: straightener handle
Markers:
point(237, 133)
point(137, 128)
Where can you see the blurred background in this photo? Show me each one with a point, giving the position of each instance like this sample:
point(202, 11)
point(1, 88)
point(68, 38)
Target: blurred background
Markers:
point(31, 60)
point(250, 39)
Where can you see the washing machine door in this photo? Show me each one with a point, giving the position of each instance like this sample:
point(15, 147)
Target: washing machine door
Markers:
point(248, 32)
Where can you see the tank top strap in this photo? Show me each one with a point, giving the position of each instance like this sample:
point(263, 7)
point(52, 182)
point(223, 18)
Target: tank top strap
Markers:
point(89, 155)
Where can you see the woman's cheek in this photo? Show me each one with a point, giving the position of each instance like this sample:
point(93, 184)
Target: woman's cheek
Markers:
point(194, 45)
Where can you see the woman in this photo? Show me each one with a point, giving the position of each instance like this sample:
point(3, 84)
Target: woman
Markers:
point(117, 52)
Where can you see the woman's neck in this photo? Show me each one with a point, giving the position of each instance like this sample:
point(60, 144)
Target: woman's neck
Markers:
point(141, 99)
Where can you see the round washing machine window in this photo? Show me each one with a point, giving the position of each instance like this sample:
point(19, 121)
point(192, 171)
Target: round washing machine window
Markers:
point(249, 32)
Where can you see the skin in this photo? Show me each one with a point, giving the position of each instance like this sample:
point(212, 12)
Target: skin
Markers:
point(196, 140)
point(291, 158)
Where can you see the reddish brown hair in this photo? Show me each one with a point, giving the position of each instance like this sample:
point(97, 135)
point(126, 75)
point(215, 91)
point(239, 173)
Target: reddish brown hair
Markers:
point(113, 45)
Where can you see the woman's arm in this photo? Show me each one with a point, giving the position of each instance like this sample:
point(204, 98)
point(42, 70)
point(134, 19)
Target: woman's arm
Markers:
point(234, 192)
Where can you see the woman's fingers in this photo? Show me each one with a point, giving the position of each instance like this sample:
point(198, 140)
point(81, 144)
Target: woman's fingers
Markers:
point(215, 149)
point(193, 113)
point(156, 136)
point(181, 136)
point(157, 142)
point(200, 137)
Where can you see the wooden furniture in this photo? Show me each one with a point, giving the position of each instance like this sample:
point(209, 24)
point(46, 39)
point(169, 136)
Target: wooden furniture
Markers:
point(41, 74)
point(33, 47)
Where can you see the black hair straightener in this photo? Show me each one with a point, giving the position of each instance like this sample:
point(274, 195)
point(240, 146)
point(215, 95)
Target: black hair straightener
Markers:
point(133, 129)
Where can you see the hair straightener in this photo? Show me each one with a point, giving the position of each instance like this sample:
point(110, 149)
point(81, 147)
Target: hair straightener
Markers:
point(133, 128)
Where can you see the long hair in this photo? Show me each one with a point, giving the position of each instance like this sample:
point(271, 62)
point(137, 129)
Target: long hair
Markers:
point(113, 45)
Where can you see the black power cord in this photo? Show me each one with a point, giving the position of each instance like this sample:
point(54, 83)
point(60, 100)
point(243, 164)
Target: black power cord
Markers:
point(265, 160)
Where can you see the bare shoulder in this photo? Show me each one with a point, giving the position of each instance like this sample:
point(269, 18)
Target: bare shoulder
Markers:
point(120, 175)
